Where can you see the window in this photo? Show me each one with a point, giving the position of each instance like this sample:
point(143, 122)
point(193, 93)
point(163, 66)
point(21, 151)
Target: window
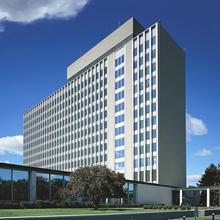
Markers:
point(154, 147)
point(135, 51)
point(141, 61)
point(154, 133)
point(147, 135)
point(135, 151)
point(147, 57)
point(147, 44)
point(119, 72)
point(141, 125)
point(135, 89)
point(153, 53)
point(153, 67)
point(141, 86)
point(119, 154)
point(119, 84)
point(141, 112)
point(154, 161)
point(135, 101)
point(153, 40)
point(141, 136)
point(154, 80)
point(154, 106)
point(148, 148)
point(119, 142)
point(147, 109)
point(147, 70)
point(119, 165)
point(147, 122)
point(119, 60)
point(141, 149)
point(147, 97)
point(141, 48)
point(135, 64)
point(154, 93)
point(135, 76)
point(119, 107)
point(141, 73)
point(119, 119)
point(135, 163)
point(154, 175)
point(119, 130)
point(142, 162)
point(135, 138)
point(141, 99)
point(119, 95)
point(135, 126)
point(154, 121)
point(147, 161)
point(135, 113)
point(147, 83)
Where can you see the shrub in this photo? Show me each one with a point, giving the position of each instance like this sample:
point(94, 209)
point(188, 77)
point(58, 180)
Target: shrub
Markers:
point(176, 207)
point(9, 205)
point(188, 207)
point(183, 207)
point(28, 205)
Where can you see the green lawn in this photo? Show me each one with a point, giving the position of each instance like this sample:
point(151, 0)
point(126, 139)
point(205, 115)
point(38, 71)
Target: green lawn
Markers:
point(80, 211)
point(217, 217)
point(65, 211)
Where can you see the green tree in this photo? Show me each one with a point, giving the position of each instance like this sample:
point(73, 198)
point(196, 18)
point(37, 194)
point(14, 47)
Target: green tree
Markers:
point(96, 183)
point(211, 177)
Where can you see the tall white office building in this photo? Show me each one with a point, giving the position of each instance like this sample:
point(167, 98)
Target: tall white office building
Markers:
point(123, 106)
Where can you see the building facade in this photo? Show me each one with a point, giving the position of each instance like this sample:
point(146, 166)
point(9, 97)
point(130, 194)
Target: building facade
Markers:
point(123, 106)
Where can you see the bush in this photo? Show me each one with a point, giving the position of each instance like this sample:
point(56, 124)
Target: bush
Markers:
point(188, 207)
point(176, 207)
point(9, 205)
point(183, 207)
point(28, 205)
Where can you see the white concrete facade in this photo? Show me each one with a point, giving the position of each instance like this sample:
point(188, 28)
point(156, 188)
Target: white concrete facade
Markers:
point(113, 110)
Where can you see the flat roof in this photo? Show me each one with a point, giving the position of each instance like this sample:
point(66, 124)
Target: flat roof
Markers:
point(129, 29)
point(30, 168)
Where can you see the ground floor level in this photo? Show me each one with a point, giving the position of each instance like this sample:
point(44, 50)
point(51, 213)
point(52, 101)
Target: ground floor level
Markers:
point(24, 183)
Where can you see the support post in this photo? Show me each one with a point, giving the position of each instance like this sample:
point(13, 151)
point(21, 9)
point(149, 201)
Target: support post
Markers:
point(181, 197)
point(219, 198)
point(32, 186)
point(208, 197)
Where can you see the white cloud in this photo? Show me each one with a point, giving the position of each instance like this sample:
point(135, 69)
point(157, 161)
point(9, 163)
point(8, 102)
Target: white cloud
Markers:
point(193, 179)
point(194, 127)
point(27, 11)
point(11, 145)
point(5, 161)
point(2, 29)
point(203, 153)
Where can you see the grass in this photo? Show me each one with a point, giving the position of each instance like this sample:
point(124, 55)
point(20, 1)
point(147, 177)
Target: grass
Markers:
point(217, 217)
point(82, 211)
point(66, 211)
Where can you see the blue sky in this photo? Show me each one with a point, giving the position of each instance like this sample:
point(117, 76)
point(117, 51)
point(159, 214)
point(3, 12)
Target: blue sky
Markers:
point(37, 44)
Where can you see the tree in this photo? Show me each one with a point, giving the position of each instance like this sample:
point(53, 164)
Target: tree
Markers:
point(96, 183)
point(211, 177)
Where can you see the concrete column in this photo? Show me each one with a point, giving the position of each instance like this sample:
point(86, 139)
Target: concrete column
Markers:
point(219, 198)
point(181, 197)
point(32, 186)
point(208, 197)
point(106, 201)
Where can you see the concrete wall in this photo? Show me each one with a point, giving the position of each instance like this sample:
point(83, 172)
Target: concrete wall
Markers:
point(128, 112)
point(172, 137)
point(124, 31)
point(153, 194)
